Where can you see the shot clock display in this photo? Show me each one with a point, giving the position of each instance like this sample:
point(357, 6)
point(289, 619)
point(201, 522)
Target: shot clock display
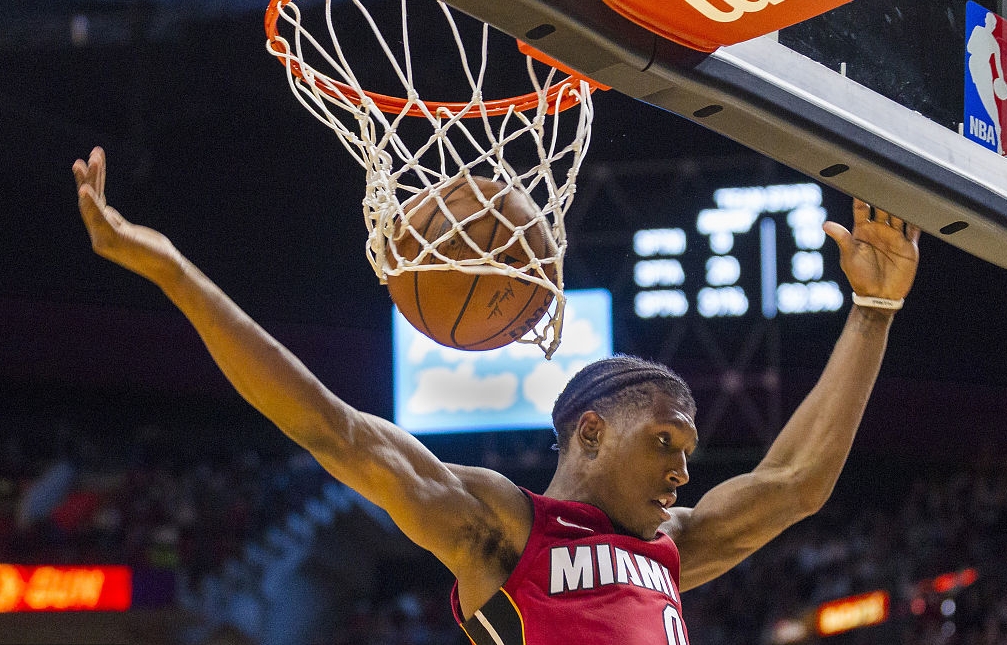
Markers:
point(757, 251)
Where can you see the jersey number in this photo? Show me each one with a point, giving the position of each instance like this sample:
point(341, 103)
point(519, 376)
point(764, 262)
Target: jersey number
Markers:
point(673, 626)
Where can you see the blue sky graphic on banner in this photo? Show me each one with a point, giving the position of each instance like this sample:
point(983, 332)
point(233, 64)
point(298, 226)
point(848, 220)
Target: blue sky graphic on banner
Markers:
point(985, 85)
point(440, 389)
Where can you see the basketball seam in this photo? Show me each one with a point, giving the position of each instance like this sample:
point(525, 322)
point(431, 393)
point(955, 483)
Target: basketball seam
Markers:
point(416, 274)
point(475, 283)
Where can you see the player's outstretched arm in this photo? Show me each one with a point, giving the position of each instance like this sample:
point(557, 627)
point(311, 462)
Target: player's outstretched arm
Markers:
point(797, 475)
point(438, 506)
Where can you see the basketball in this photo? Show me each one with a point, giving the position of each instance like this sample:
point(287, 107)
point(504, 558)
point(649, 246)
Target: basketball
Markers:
point(463, 310)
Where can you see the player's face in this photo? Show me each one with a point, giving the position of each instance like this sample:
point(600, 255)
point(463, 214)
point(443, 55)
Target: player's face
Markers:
point(647, 461)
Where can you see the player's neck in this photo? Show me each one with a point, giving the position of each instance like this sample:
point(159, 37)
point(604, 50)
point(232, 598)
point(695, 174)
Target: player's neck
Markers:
point(572, 483)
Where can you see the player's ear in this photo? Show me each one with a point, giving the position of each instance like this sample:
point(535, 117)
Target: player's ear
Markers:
point(590, 431)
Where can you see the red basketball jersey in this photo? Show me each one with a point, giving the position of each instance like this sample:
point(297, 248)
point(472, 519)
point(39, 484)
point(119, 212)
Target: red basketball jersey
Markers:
point(578, 581)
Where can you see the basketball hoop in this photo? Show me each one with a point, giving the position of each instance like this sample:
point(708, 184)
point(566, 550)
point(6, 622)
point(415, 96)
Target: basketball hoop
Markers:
point(457, 140)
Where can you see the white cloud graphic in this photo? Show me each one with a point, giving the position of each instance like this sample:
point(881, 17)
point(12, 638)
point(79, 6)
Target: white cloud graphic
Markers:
point(452, 355)
point(546, 381)
point(419, 348)
point(579, 338)
point(443, 389)
point(521, 351)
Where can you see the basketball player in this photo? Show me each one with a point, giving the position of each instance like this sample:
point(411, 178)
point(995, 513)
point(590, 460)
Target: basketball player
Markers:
point(603, 555)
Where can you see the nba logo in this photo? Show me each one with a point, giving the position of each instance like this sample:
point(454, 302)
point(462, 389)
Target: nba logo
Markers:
point(985, 85)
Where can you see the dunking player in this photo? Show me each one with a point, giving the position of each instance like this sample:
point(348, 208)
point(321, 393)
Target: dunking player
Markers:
point(602, 556)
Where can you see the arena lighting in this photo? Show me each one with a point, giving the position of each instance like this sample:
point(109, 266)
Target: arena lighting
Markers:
point(63, 588)
point(788, 631)
point(842, 615)
point(948, 582)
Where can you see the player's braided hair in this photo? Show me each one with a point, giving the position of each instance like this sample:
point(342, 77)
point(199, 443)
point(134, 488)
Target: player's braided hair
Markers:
point(611, 383)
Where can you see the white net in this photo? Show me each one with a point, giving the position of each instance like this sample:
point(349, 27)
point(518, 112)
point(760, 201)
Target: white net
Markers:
point(454, 142)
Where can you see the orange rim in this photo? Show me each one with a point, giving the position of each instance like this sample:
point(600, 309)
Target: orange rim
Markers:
point(395, 105)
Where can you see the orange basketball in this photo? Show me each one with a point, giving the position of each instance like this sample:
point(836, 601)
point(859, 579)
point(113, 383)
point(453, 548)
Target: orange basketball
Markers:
point(463, 310)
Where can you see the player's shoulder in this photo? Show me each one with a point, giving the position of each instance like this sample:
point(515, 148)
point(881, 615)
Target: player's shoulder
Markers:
point(490, 487)
point(495, 491)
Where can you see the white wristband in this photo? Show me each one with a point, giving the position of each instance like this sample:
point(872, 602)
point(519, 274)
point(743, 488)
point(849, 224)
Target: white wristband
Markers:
point(878, 303)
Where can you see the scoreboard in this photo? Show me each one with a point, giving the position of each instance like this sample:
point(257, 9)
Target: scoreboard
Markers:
point(758, 250)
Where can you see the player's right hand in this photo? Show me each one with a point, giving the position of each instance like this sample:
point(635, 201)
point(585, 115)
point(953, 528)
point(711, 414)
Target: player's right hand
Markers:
point(880, 255)
point(137, 248)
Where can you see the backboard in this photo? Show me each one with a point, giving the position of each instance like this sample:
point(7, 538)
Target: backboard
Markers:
point(866, 98)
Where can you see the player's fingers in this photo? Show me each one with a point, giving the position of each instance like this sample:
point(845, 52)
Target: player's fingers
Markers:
point(913, 232)
point(89, 174)
point(861, 211)
point(90, 206)
point(880, 216)
point(80, 172)
point(97, 162)
point(908, 231)
point(96, 210)
point(841, 235)
point(86, 199)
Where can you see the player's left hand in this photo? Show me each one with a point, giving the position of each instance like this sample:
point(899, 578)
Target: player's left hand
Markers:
point(880, 256)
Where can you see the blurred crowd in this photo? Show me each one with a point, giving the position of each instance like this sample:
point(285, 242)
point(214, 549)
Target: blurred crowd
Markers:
point(206, 517)
point(155, 499)
point(895, 527)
